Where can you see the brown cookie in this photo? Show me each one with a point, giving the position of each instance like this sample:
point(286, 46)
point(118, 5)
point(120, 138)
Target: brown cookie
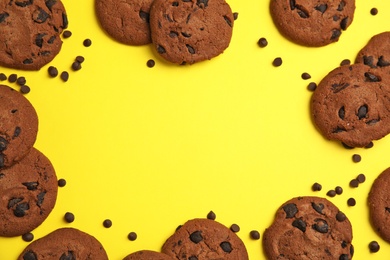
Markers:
point(308, 228)
point(188, 31)
point(65, 243)
point(379, 204)
point(204, 239)
point(351, 104)
point(312, 23)
point(127, 21)
point(28, 194)
point(18, 128)
point(376, 53)
point(148, 255)
point(30, 32)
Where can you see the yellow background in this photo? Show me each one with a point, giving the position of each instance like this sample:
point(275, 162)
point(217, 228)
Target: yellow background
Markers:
point(150, 148)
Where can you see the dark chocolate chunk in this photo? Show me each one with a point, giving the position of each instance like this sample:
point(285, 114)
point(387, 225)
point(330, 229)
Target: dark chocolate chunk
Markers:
point(202, 3)
point(351, 202)
point(354, 183)
point(340, 216)
point(190, 49)
point(150, 63)
point(53, 72)
point(290, 209)
point(12, 78)
point(144, 16)
point(300, 224)
point(344, 23)
point(331, 193)
point(66, 34)
point(68, 256)
point(321, 7)
point(312, 86)
point(31, 185)
point(338, 190)
point(321, 226)
point(20, 210)
point(87, 42)
point(361, 178)
point(342, 113)
point(196, 237)
point(40, 16)
point(61, 183)
point(40, 198)
point(335, 34)
point(30, 255)
point(25, 89)
point(3, 144)
point(226, 247)
point(371, 77)
point(160, 49)
point(3, 16)
point(318, 207)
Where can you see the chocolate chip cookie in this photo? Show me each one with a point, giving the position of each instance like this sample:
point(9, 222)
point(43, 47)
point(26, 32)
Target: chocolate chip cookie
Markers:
point(312, 23)
point(189, 31)
point(351, 104)
point(376, 53)
point(308, 228)
point(30, 32)
point(65, 243)
point(127, 21)
point(18, 128)
point(204, 239)
point(379, 204)
point(148, 255)
point(28, 194)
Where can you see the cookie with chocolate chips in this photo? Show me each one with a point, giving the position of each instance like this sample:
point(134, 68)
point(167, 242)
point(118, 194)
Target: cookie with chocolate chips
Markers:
point(30, 32)
point(376, 53)
point(148, 255)
point(312, 23)
point(28, 194)
point(189, 31)
point(351, 105)
point(204, 239)
point(18, 128)
point(308, 228)
point(379, 204)
point(65, 243)
point(127, 21)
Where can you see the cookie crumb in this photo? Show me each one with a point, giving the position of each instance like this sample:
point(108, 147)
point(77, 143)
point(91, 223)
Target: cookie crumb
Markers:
point(211, 215)
point(28, 237)
point(316, 187)
point(254, 234)
point(305, 76)
point(374, 246)
point(107, 223)
point(87, 42)
point(69, 217)
point(61, 183)
point(277, 62)
point(351, 202)
point(356, 158)
point(374, 11)
point(262, 42)
point(312, 86)
point(235, 228)
point(132, 236)
point(150, 63)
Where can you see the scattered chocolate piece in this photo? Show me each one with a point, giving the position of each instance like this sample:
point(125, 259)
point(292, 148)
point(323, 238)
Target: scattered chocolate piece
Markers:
point(356, 158)
point(312, 86)
point(235, 228)
point(305, 76)
point(21, 81)
point(211, 215)
point(254, 234)
point(277, 62)
point(316, 187)
point(28, 237)
point(107, 223)
point(80, 59)
point(354, 183)
point(3, 77)
point(61, 183)
point(64, 76)
point(331, 193)
point(87, 42)
point(235, 15)
point(12, 78)
point(69, 217)
point(370, 145)
point(25, 89)
point(340, 216)
point(76, 66)
point(53, 72)
point(374, 246)
point(351, 202)
point(339, 190)
point(347, 146)
point(374, 11)
point(361, 178)
point(132, 236)
point(66, 34)
point(262, 42)
point(150, 63)
point(345, 62)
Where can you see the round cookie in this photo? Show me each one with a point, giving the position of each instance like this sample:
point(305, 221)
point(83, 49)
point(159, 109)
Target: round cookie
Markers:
point(18, 128)
point(127, 21)
point(308, 228)
point(28, 194)
point(312, 22)
point(204, 239)
point(379, 204)
point(376, 53)
point(64, 243)
point(351, 104)
point(30, 32)
point(189, 31)
point(148, 255)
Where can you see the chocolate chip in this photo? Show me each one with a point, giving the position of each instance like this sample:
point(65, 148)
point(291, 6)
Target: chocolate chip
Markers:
point(51, 40)
point(190, 49)
point(302, 12)
point(31, 185)
point(24, 3)
point(28, 237)
point(144, 16)
point(21, 81)
point(370, 145)
point(3, 77)
point(211, 215)
point(371, 77)
point(305, 75)
point(53, 72)
point(338, 87)
point(3, 144)
point(318, 207)
point(344, 23)
point(320, 226)
point(61, 183)
point(28, 61)
point(374, 11)
point(235, 15)
point(322, 8)
point(345, 62)
point(13, 201)
point(175, 4)
point(67, 34)
point(64, 76)
point(107, 223)
point(160, 49)
point(50, 3)
point(39, 39)
point(356, 158)
point(25, 89)
point(344, 257)
point(331, 193)
point(347, 146)
point(369, 61)
point(173, 34)
point(3, 16)
point(290, 210)
point(262, 42)
point(196, 237)
point(338, 190)
point(361, 178)
point(382, 62)
point(351, 202)
point(277, 62)
point(292, 4)
point(20, 210)
point(341, 6)
point(235, 228)
point(342, 113)
point(362, 112)
point(226, 247)
point(374, 246)
point(340, 216)
point(40, 16)
point(354, 183)
point(12, 78)
point(132, 236)
point(40, 198)
point(254, 234)
point(87, 42)
point(228, 21)
point(30, 255)
point(1, 160)
point(335, 34)
point(193, 258)
point(316, 187)
point(300, 224)
point(312, 86)
point(68, 256)
point(202, 3)
point(76, 66)
point(69, 217)
point(150, 63)
point(80, 59)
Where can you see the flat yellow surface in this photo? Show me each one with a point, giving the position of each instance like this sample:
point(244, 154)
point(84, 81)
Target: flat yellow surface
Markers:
point(150, 148)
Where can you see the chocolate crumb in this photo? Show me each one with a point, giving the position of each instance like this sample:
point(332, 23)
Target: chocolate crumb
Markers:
point(235, 228)
point(132, 236)
point(211, 215)
point(262, 42)
point(28, 237)
point(61, 183)
point(356, 158)
point(374, 246)
point(107, 223)
point(351, 202)
point(69, 217)
point(305, 76)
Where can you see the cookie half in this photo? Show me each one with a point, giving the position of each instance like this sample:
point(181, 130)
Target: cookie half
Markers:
point(376, 53)
point(30, 32)
point(308, 228)
point(351, 104)
point(148, 255)
point(379, 204)
point(65, 243)
point(18, 128)
point(127, 21)
point(189, 31)
point(28, 194)
point(312, 23)
point(205, 239)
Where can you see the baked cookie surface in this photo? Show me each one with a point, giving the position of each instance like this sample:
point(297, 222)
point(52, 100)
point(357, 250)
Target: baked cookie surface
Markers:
point(376, 53)
point(204, 239)
point(351, 104)
point(308, 228)
point(30, 32)
point(312, 22)
point(65, 243)
point(28, 194)
point(126, 21)
point(18, 128)
point(148, 255)
point(189, 31)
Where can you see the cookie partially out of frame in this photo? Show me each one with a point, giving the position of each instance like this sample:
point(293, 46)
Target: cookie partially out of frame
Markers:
point(351, 105)
point(189, 31)
point(148, 255)
point(30, 32)
point(376, 53)
point(205, 239)
point(308, 228)
point(379, 204)
point(65, 243)
point(18, 128)
point(127, 21)
point(312, 23)
point(28, 194)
